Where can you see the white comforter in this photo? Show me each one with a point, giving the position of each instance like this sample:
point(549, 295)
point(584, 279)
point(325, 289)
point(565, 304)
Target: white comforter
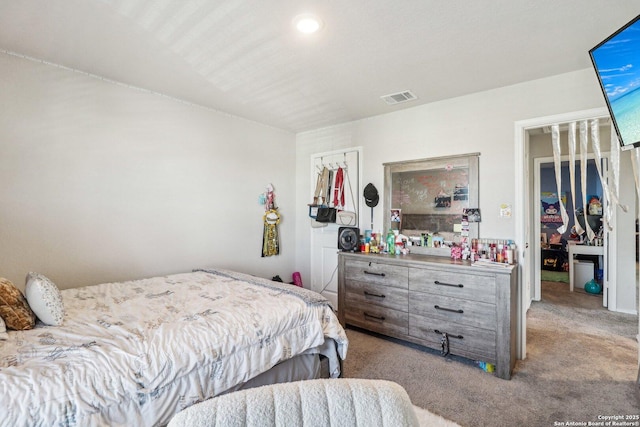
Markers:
point(135, 353)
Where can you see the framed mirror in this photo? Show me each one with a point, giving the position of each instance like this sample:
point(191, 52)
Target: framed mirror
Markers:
point(425, 200)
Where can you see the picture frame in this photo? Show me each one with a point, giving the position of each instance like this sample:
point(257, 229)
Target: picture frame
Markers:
point(473, 214)
point(443, 201)
point(461, 192)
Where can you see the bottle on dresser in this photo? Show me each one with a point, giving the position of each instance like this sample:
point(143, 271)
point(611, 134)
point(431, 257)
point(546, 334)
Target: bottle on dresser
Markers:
point(499, 251)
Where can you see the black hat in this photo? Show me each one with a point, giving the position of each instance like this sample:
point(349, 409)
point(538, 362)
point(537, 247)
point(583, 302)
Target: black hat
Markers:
point(371, 196)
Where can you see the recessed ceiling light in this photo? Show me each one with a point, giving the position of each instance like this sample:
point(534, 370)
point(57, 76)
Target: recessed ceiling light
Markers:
point(307, 23)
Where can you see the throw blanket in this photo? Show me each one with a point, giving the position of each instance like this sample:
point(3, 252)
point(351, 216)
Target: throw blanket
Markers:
point(326, 402)
point(338, 402)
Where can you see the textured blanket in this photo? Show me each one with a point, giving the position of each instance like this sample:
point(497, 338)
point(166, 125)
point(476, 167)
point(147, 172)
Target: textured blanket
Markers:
point(135, 353)
point(309, 297)
point(335, 402)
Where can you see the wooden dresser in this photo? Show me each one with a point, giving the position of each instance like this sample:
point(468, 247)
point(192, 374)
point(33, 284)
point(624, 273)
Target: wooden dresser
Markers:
point(418, 298)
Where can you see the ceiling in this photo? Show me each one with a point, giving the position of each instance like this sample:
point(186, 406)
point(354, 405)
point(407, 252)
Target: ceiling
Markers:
point(244, 58)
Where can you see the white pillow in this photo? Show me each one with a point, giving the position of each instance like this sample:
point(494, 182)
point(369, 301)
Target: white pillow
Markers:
point(44, 299)
point(3, 330)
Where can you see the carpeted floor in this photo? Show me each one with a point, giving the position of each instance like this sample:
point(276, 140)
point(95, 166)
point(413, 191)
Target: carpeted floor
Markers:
point(582, 362)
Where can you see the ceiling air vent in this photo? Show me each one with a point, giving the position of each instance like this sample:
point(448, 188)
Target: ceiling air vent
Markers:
point(397, 98)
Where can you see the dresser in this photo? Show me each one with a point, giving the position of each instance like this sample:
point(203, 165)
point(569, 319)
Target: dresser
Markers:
point(419, 298)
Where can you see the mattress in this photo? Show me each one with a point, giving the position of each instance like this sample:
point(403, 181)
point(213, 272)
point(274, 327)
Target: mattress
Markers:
point(136, 352)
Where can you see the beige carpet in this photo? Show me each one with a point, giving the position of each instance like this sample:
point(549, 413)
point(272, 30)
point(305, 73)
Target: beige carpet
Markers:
point(581, 363)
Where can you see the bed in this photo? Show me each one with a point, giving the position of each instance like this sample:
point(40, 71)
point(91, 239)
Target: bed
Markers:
point(137, 352)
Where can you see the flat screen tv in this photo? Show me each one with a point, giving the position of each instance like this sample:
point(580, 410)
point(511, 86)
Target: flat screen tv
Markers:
point(616, 61)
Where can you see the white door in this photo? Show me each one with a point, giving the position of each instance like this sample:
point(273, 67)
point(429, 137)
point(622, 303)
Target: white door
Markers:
point(324, 240)
point(324, 263)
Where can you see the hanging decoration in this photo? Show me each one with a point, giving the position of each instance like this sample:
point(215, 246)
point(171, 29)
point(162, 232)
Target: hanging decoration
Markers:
point(615, 170)
point(271, 219)
point(612, 199)
point(595, 142)
point(557, 160)
point(584, 145)
point(610, 183)
point(572, 175)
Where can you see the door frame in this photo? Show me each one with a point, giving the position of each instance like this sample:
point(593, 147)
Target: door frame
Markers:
point(522, 188)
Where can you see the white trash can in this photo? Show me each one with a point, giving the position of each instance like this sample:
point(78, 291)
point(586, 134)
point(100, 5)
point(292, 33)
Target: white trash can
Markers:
point(582, 272)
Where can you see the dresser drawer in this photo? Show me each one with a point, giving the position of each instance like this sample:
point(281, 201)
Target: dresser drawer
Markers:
point(378, 319)
point(380, 295)
point(464, 340)
point(377, 273)
point(453, 284)
point(462, 311)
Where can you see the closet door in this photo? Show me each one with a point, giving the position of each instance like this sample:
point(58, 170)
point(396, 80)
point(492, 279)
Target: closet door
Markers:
point(324, 240)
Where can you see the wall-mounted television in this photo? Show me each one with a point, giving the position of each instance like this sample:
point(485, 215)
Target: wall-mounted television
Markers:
point(616, 61)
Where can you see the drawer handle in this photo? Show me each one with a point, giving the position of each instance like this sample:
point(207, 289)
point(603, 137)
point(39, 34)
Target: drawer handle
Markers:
point(374, 274)
point(369, 294)
point(448, 334)
point(380, 318)
point(460, 285)
point(453, 310)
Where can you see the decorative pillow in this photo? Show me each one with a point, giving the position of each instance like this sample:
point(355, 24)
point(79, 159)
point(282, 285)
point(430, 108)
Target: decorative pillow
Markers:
point(14, 308)
point(3, 330)
point(45, 299)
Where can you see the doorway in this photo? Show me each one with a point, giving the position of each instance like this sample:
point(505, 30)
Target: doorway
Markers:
point(554, 252)
point(524, 229)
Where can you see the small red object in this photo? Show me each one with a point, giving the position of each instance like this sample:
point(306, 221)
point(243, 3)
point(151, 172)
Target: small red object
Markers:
point(297, 279)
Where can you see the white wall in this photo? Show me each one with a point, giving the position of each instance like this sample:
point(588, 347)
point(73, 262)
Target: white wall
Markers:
point(481, 122)
point(627, 290)
point(102, 182)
